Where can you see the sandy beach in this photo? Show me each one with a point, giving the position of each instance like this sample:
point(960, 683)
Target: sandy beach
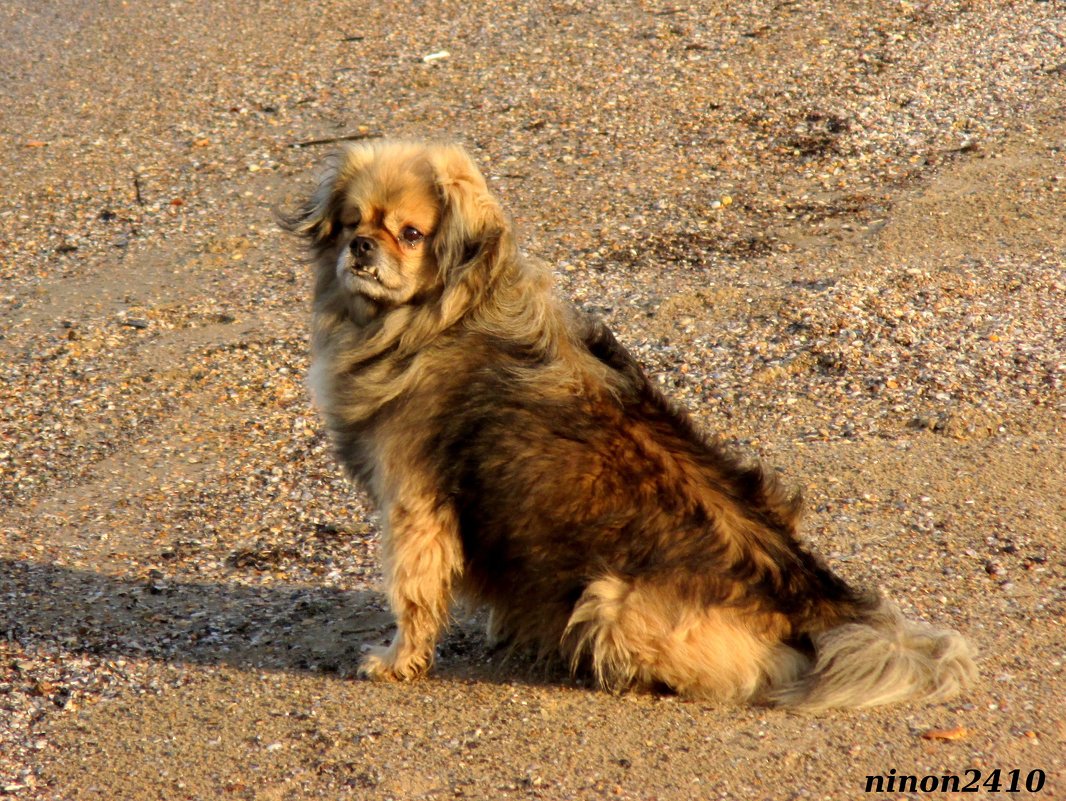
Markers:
point(834, 231)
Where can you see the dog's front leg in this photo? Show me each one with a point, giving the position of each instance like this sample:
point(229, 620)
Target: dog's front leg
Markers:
point(423, 557)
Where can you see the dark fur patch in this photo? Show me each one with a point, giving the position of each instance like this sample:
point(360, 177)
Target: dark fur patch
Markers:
point(553, 491)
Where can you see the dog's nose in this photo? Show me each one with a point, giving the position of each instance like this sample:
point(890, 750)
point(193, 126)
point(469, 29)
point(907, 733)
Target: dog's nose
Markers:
point(362, 246)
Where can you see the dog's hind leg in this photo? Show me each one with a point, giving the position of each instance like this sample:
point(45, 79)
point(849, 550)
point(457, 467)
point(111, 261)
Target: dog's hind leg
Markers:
point(646, 636)
point(423, 558)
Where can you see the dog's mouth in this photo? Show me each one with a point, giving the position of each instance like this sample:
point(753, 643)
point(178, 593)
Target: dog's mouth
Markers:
point(369, 273)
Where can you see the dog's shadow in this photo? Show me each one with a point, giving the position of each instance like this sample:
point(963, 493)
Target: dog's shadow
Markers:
point(286, 628)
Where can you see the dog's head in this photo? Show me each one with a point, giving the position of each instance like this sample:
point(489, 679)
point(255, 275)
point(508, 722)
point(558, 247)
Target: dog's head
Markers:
point(400, 224)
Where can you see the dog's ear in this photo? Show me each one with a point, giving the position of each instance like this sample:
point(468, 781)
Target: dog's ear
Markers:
point(473, 240)
point(316, 218)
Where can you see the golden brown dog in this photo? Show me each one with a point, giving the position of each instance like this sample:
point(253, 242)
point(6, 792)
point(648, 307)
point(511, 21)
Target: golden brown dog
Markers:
point(521, 459)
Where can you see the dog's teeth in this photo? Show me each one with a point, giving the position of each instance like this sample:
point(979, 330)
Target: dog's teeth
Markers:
point(365, 272)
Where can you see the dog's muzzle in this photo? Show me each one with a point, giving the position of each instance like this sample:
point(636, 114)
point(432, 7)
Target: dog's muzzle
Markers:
point(362, 259)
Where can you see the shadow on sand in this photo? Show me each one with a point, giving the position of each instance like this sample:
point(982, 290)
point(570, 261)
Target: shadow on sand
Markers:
point(287, 628)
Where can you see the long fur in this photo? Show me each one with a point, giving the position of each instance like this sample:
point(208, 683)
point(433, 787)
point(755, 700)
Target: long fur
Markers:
point(521, 459)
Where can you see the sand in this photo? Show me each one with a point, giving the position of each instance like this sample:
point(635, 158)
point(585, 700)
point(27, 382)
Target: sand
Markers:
point(836, 232)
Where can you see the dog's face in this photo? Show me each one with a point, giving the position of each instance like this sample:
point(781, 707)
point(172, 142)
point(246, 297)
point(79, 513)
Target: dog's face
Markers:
point(386, 219)
point(397, 223)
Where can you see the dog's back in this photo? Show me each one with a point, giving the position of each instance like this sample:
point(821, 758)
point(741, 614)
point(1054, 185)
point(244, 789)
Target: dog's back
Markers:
point(595, 518)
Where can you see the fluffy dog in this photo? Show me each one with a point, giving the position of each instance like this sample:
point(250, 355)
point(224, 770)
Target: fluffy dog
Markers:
point(521, 459)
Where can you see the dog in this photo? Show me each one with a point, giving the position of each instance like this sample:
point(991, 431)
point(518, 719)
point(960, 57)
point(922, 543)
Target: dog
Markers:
point(521, 460)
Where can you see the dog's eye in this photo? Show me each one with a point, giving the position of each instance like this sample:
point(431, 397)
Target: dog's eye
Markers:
point(411, 236)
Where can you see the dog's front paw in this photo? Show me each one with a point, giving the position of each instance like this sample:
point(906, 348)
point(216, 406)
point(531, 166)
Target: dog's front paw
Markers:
point(384, 664)
point(376, 666)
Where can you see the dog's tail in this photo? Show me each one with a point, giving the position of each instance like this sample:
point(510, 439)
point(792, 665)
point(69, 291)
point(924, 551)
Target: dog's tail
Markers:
point(882, 659)
point(633, 634)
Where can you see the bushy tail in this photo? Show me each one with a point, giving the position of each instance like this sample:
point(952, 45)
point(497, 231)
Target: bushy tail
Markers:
point(881, 660)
